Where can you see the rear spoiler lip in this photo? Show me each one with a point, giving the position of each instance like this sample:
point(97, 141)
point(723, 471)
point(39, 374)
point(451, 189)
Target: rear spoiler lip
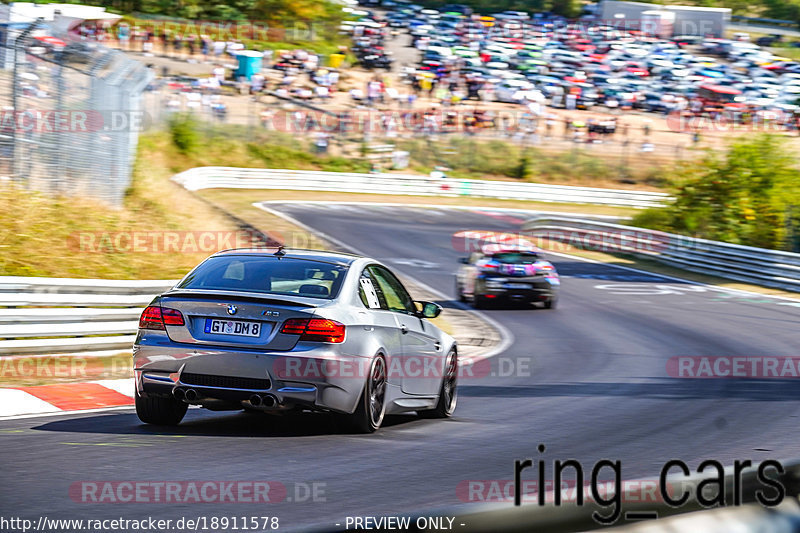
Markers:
point(288, 301)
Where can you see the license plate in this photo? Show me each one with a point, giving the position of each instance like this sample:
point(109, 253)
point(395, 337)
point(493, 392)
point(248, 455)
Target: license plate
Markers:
point(518, 286)
point(237, 328)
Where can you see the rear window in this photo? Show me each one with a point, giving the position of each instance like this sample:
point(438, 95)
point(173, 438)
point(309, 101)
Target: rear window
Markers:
point(514, 258)
point(267, 275)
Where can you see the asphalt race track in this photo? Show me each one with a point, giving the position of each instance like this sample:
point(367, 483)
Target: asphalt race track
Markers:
point(598, 388)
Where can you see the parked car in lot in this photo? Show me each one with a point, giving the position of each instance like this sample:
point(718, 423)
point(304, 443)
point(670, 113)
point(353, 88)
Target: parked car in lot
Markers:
point(290, 331)
point(603, 64)
point(509, 273)
point(516, 91)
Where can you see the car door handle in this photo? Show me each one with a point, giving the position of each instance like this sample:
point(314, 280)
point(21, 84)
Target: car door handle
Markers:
point(369, 328)
point(403, 329)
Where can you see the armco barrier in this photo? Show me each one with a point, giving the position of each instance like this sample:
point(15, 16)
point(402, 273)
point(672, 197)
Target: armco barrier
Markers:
point(59, 315)
point(759, 266)
point(404, 184)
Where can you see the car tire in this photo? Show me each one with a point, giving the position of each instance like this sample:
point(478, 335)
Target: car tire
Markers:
point(160, 411)
point(479, 302)
point(448, 391)
point(369, 413)
point(460, 293)
point(550, 303)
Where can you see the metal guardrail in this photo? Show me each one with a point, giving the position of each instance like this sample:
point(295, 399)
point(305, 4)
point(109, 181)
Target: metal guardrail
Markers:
point(404, 184)
point(60, 315)
point(768, 29)
point(52, 315)
point(764, 21)
point(759, 266)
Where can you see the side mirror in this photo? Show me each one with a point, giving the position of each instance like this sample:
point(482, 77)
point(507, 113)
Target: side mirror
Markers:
point(429, 309)
point(463, 260)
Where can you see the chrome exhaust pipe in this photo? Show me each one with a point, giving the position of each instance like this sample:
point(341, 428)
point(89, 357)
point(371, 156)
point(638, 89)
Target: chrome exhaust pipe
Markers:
point(269, 400)
point(190, 395)
point(255, 400)
point(178, 394)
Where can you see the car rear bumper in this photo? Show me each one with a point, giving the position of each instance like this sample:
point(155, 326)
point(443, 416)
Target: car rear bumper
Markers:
point(519, 289)
point(228, 379)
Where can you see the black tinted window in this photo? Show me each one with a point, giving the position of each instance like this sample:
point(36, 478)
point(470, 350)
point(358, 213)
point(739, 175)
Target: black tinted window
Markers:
point(268, 275)
point(513, 258)
point(391, 291)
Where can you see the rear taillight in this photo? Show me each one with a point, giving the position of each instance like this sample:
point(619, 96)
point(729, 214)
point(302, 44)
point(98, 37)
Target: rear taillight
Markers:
point(151, 318)
point(323, 330)
point(314, 329)
point(155, 317)
point(294, 326)
point(172, 317)
point(488, 267)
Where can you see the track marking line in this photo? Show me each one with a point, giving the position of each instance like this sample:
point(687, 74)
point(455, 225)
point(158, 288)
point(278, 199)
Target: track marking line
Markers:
point(125, 386)
point(65, 413)
point(716, 288)
point(261, 205)
point(78, 396)
point(18, 402)
point(435, 206)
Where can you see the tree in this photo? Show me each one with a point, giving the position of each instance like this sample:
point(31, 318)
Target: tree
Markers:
point(566, 8)
point(746, 197)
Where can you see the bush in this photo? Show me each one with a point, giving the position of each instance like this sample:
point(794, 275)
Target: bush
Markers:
point(747, 197)
point(657, 218)
point(523, 169)
point(183, 130)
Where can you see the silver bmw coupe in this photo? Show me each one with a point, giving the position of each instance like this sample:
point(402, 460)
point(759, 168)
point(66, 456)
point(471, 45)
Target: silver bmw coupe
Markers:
point(292, 330)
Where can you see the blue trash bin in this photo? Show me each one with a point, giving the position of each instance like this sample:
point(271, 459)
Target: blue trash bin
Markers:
point(249, 64)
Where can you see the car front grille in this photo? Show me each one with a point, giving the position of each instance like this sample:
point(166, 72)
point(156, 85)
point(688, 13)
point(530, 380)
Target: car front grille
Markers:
point(224, 382)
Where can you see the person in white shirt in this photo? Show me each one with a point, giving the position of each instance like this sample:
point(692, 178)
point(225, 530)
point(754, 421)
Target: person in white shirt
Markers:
point(213, 83)
point(219, 47)
point(234, 47)
point(257, 83)
point(219, 73)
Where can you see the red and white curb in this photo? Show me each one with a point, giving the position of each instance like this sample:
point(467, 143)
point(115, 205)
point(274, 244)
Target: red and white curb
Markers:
point(66, 397)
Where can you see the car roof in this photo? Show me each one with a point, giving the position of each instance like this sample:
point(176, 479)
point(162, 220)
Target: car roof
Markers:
point(340, 258)
point(504, 248)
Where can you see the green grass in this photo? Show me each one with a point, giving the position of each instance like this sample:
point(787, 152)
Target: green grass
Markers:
point(55, 236)
point(41, 235)
point(59, 236)
point(786, 51)
point(475, 159)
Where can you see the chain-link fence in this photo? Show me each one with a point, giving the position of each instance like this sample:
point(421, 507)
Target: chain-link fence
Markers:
point(71, 112)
